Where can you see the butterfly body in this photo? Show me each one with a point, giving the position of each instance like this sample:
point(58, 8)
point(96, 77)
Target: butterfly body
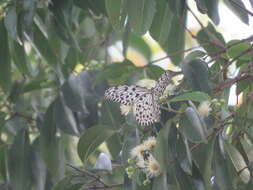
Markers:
point(145, 101)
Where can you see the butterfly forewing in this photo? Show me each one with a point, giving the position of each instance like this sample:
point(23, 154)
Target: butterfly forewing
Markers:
point(124, 94)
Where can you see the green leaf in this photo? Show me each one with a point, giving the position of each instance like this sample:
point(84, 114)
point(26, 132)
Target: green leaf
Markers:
point(154, 72)
point(239, 162)
point(193, 96)
point(184, 181)
point(191, 126)
point(237, 7)
point(52, 148)
point(41, 45)
point(117, 73)
point(91, 139)
point(77, 90)
point(162, 22)
point(214, 38)
point(177, 7)
point(212, 10)
point(11, 22)
point(203, 156)
point(201, 5)
point(67, 184)
point(161, 155)
point(221, 171)
point(176, 38)
point(196, 74)
point(194, 55)
point(64, 118)
point(96, 6)
point(115, 13)
point(160, 151)
point(19, 162)
point(140, 15)
point(39, 167)
point(236, 50)
point(3, 161)
point(20, 58)
point(62, 21)
point(5, 62)
point(27, 15)
point(138, 44)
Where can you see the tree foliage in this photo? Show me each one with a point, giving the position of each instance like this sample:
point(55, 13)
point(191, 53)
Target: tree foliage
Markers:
point(55, 121)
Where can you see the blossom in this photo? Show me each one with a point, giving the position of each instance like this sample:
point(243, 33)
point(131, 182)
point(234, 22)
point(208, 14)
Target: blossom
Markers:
point(150, 143)
point(141, 163)
point(125, 109)
point(138, 151)
point(153, 168)
point(204, 108)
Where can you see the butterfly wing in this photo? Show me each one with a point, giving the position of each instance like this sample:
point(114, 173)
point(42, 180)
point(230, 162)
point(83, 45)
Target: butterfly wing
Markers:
point(124, 94)
point(147, 110)
point(162, 83)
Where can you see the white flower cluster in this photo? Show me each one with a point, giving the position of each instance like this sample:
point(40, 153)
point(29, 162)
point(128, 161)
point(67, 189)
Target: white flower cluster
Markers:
point(204, 108)
point(142, 158)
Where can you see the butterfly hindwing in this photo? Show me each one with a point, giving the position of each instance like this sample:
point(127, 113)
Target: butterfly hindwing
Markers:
point(147, 110)
point(125, 94)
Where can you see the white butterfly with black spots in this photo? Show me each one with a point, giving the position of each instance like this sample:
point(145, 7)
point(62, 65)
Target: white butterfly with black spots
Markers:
point(145, 101)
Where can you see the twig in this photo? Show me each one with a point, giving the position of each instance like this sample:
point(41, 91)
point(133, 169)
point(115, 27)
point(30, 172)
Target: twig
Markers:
point(96, 179)
point(216, 41)
point(108, 187)
point(223, 124)
point(170, 109)
point(232, 81)
point(176, 53)
point(241, 7)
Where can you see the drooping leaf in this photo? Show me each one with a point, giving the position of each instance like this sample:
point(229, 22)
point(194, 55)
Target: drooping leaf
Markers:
point(91, 139)
point(19, 162)
point(201, 5)
point(236, 50)
point(162, 22)
point(239, 162)
point(191, 126)
point(222, 179)
point(176, 38)
point(211, 40)
point(237, 7)
point(196, 74)
point(11, 22)
point(212, 10)
point(5, 62)
point(51, 147)
point(115, 13)
point(20, 58)
point(64, 117)
point(140, 14)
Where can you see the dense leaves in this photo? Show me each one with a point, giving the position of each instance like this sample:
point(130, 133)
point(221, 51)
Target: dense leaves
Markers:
point(57, 132)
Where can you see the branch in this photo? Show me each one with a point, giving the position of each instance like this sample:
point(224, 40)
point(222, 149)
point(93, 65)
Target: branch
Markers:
point(103, 187)
point(215, 41)
point(232, 81)
point(96, 179)
point(175, 53)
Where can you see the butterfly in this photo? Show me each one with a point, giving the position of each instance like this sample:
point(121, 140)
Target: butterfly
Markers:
point(145, 101)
